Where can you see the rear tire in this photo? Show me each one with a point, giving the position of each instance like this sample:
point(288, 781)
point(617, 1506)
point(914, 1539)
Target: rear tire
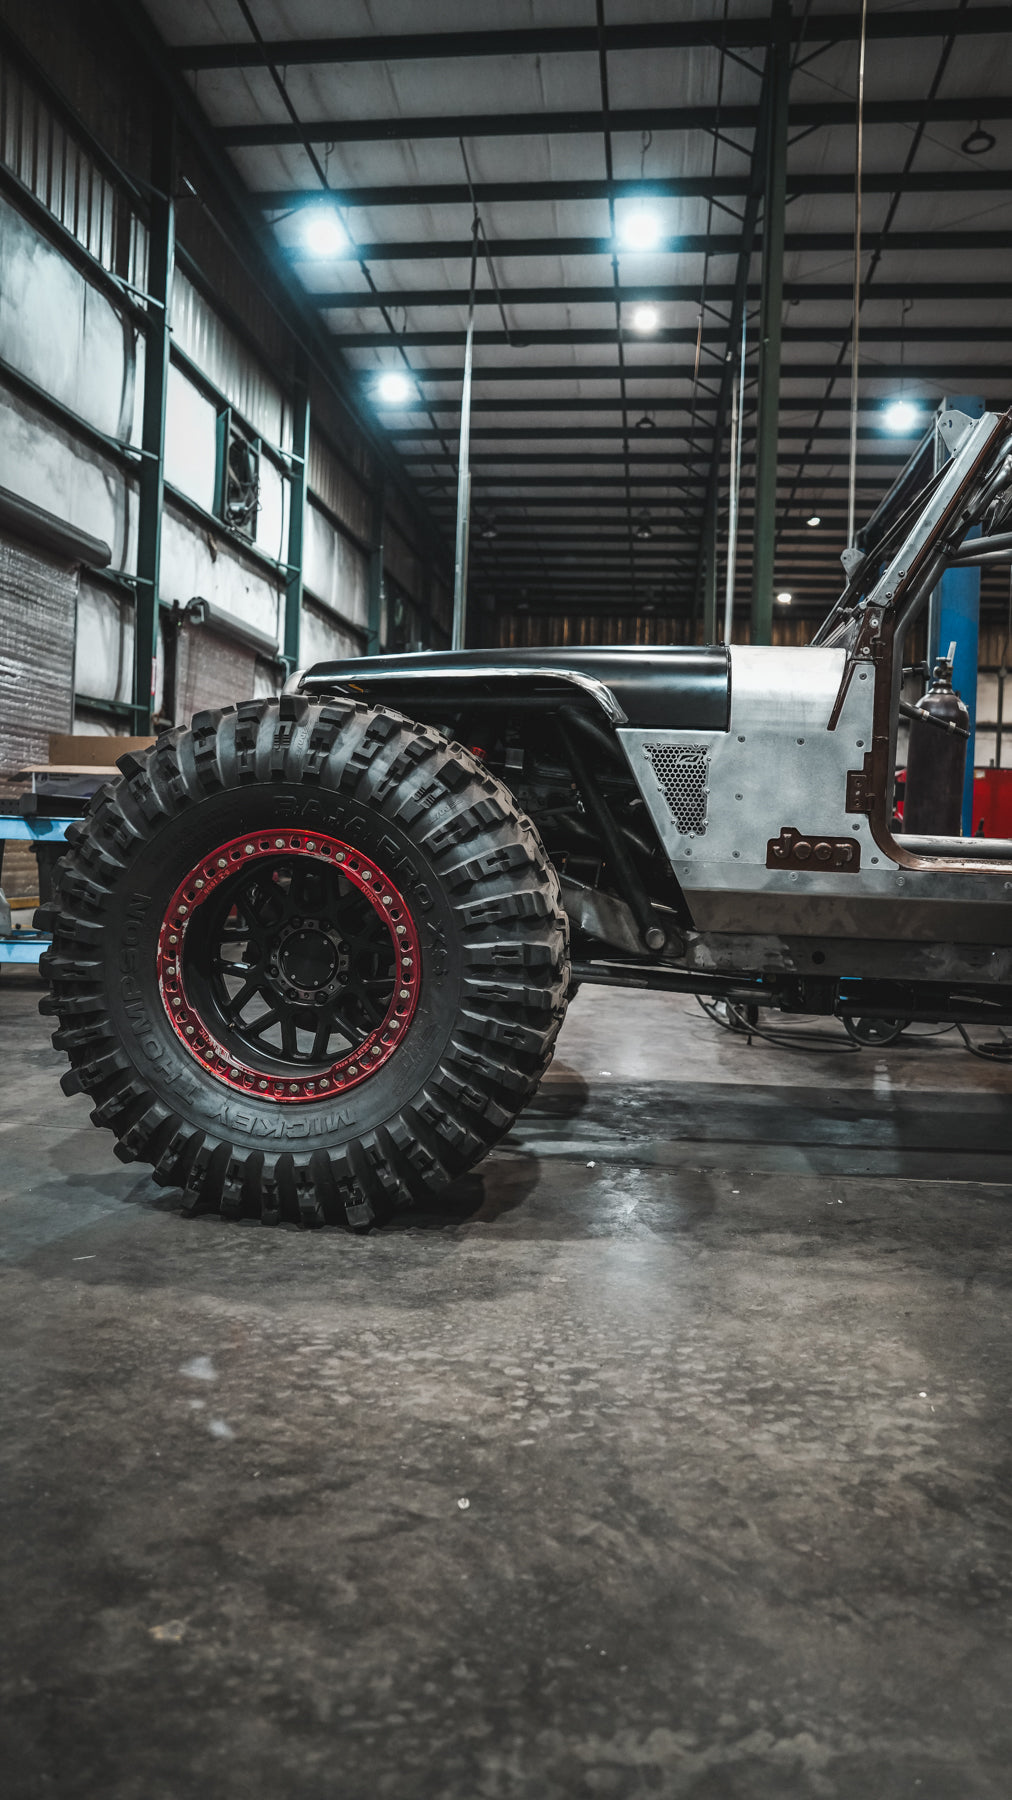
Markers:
point(381, 899)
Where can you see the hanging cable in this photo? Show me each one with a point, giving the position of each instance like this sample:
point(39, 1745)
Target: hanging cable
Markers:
point(464, 461)
point(855, 353)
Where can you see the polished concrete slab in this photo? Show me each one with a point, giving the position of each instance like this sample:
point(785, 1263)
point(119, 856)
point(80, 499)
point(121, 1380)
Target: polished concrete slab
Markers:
point(671, 1457)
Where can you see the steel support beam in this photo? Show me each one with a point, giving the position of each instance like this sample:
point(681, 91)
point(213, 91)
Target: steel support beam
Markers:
point(297, 488)
point(151, 486)
point(561, 40)
point(770, 324)
point(813, 114)
point(999, 332)
point(533, 193)
point(376, 597)
point(690, 243)
point(719, 294)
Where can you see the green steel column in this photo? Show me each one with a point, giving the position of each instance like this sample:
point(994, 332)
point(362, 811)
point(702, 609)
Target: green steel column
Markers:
point(375, 644)
point(771, 308)
point(161, 257)
point(296, 518)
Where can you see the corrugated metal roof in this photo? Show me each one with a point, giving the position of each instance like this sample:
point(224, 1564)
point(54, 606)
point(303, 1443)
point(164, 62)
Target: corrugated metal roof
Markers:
point(566, 475)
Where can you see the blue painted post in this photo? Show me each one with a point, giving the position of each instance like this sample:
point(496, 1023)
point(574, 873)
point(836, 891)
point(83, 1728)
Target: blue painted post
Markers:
point(955, 619)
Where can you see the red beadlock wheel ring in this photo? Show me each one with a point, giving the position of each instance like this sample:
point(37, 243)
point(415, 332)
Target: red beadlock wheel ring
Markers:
point(203, 881)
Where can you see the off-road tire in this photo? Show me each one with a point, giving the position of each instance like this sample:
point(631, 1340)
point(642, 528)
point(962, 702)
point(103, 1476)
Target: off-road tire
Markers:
point(484, 906)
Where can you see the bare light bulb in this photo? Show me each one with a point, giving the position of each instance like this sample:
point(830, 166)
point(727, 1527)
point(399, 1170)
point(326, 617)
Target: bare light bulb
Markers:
point(645, 318)
point(322, 232)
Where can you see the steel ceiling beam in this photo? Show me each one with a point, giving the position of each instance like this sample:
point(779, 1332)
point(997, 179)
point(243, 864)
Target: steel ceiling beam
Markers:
point(647, 459)
point(566, 40)
point(720, 294)
point(804, 115)
point(678, 187)
point(534, 407)
point(792, 371)
point(715, 243)
point(1000, 332)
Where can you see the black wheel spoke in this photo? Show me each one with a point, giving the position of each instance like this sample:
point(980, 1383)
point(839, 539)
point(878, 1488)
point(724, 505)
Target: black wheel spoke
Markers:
point(296, 945)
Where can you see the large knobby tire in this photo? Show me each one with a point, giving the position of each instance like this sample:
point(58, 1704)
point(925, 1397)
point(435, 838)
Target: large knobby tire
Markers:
point(351, 873)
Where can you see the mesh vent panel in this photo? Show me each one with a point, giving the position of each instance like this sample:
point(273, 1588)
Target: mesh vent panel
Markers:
point(681, 771)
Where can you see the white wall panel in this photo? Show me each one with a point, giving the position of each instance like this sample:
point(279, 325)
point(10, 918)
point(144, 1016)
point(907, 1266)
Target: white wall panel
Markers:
point(324, 638)
point(42, 463)
point(273, 511)
point(190, 568)
point(105, 644)
point(208, 342)
point(60, 333)
point(190, 449)
point(335, 570)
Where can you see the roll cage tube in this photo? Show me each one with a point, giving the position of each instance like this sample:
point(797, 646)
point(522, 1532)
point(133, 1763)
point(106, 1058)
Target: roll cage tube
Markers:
point(873, 615)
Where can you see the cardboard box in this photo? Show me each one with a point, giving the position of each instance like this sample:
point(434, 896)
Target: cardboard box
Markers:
point(73, 750)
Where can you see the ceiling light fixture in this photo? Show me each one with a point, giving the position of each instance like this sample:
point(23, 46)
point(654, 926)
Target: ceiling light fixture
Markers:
point(394, 387)
point(640, 230)
point(814, 520)
point(901, 416)
point(784, 599)
point(646, 423)
point(323, 233)
point(646, 318)
point(644, 530)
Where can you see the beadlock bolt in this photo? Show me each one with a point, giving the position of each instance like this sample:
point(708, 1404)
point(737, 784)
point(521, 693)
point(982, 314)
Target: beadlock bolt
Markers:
point(189, 1030)
point(401, 930)
point(222, 862)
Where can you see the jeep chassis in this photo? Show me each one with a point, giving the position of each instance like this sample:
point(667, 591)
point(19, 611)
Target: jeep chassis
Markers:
point(311, 955)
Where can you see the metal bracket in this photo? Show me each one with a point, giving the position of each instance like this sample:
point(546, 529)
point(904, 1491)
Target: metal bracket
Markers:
point(954, 428)
point(860, 798)
point(797, 850)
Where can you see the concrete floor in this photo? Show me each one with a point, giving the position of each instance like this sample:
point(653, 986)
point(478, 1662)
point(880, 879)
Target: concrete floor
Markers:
point(671, 1458)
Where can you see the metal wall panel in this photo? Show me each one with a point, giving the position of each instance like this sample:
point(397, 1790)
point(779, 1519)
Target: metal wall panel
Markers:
point(60, 173)
point(207, 341)
point(38, 599)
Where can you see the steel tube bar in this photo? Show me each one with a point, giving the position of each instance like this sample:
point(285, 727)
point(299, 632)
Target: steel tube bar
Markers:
point(161, 254)
point(771, 307)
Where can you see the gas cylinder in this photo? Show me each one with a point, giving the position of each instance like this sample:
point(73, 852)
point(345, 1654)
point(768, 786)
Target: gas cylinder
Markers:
point(936, 760)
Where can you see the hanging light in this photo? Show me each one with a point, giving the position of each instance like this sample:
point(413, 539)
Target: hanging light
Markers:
point(784, 599)
point(644, 529)
point(901, 417)
point(646, 423)
point(646, 318)
point(814, 520)
point(323, 233)
point(394, 388)
point(489, 530)
point(640, 229)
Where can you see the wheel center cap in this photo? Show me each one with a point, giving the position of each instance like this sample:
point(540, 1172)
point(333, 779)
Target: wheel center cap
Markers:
point(308, 959)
